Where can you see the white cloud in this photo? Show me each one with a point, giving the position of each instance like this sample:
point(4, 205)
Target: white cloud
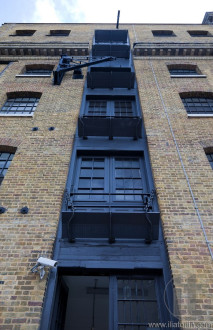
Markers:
point(75, 12)
point(45, 12)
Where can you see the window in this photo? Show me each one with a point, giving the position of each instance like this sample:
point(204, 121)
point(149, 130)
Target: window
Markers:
point(210, 158)
point(59, 33)
point(40, 72)
point(199, 104)
point(25, 33)
point(123, 107)
point(23, 104)
point(199, 33)
point(163, 33)
point(38, 69)
point(5, 161)
point(108, 301)
point(111, 179)
point(184, 70)
point(110, 77)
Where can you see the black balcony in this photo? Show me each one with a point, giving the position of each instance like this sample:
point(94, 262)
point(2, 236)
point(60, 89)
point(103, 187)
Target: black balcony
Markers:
point(110, 221)
point(111, 43)
point(109, 126)
point(121, 51)
point(111, 36)
point(110, 77)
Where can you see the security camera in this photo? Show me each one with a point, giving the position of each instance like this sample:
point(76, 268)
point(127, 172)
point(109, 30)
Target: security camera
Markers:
point(47, 262)
point(41, 263)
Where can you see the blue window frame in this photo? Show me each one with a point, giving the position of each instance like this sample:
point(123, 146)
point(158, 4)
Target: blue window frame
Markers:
point(198, 105)
point(20, 106)
point(110, 179)
point(5, 161)
point(183, 72)
point(107, 108)
point(38, 72)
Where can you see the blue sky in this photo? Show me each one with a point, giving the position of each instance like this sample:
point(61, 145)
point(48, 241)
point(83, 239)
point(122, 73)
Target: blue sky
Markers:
point(91, 11)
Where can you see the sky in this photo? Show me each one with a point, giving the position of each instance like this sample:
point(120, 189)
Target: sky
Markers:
point(101, 11)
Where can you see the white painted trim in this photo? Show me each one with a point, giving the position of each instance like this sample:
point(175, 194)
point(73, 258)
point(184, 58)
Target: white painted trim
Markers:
point(15, 115)
point(188, 76)
point(200, 115)
point(33, 75)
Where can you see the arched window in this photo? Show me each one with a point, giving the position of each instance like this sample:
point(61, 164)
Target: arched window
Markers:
point(198, 103)
point(20, 103)
point(38, 69)
point(183, 70)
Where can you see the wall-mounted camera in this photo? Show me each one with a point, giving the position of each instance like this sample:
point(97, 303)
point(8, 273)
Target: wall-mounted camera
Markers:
point(41, 263)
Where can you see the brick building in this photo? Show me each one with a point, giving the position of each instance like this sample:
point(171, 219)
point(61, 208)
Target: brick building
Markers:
point(106, 169)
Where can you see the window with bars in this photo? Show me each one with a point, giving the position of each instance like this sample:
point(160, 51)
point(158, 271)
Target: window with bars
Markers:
point(5, 161)
point(110, 178)
point(111, 302)
point(183, 72)
point(209, 155)
point(39, 72)
point(198, 105)
point(136, 302)
point(116, 108)
point(20, 106)
point(163, 33)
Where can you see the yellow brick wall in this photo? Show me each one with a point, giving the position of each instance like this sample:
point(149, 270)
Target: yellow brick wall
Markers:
point(36, 179)
point(189, 256)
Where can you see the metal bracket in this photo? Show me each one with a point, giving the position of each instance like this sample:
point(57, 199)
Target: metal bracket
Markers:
point(65, 65)
point(38, 268)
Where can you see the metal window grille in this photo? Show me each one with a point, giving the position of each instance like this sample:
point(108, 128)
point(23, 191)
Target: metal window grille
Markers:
point(183, 72)
point(22, 105)
point(198, 105)
point(38, 72)
point(5, 161)
point(92, 177)
point(123, 108)
point(97, 108)
point(120, 177)
point(136, 303)
point(128, 179)
point(115, 108)
point(210, 158)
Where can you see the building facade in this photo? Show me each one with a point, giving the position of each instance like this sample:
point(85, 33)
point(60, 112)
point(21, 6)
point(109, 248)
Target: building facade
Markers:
point(106, 149)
